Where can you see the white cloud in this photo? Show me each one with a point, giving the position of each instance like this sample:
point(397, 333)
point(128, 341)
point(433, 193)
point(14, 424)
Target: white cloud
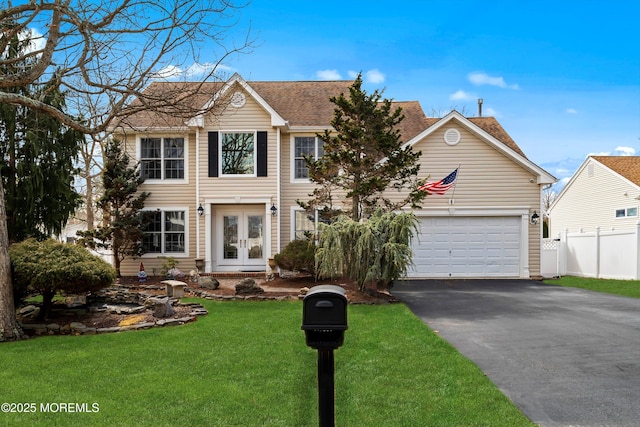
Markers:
point(352, 74)
point(461, 95)
point(571, 111)
point(491, 112)
point(194, 71)
point(328, 75)
point(480, 79)
point(374, 76)
point(625, 151)
point(168, 72)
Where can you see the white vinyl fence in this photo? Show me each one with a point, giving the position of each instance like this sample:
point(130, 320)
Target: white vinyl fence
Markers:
point(601, 254)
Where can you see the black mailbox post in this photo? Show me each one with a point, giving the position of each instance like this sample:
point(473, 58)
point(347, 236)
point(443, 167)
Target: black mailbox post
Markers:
point(324, 320)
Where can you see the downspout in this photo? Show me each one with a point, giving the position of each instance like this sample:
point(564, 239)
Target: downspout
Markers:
point(197, 192)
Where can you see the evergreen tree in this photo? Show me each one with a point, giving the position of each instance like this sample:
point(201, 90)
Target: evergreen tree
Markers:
point(37, 155)
point(123, 225)
point(363, 157)
point(374, 251)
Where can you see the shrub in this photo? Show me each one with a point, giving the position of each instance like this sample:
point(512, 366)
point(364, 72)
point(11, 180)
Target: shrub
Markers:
point(49, 266)
point(298, 255)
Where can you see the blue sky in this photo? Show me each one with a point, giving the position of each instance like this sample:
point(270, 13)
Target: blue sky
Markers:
point(562, 77)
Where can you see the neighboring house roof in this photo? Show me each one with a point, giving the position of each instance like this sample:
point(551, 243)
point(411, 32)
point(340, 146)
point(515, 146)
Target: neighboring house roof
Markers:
point(625, 166)
point(299, 104)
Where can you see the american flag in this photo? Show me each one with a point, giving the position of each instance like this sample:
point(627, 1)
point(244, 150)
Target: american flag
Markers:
point(440, 187)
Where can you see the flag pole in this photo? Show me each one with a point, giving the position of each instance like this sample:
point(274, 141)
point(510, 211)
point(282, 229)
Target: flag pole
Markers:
point(455, 184)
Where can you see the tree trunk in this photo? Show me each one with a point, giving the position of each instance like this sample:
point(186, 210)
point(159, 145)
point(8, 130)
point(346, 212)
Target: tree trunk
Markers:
point(9, 328)
point(89, 201)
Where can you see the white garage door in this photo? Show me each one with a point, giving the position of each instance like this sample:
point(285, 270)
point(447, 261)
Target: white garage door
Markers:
point(467, 247)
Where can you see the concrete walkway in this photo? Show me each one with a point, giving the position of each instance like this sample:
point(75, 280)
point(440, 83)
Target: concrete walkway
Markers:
point(564, 356)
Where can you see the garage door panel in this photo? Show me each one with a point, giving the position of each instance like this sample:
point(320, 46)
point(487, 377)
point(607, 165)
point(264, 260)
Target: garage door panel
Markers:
point(467, 247)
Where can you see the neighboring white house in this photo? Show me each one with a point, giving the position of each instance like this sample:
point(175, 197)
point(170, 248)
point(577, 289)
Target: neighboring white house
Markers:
point(596, 217)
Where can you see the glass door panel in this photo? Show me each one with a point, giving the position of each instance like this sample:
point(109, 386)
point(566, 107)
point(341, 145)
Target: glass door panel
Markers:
point(230, 237)
point(255, 238)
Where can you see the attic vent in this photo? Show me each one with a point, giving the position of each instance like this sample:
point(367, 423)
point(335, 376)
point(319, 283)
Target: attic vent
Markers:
point(237, 100)
point(590, 170)
point(452, 136)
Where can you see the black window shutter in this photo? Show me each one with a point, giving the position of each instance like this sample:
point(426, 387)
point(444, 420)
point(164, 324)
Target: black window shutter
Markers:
point(213, 154)
point(262, 153)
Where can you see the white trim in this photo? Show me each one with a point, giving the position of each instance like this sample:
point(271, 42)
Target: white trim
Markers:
point(278, 191)
point(472, 211)
point(292, 152)
point(543, 177)
point(221, 134)
point(162, 136)
point(276, 119)
point(164, 209)
point(197, 197)
point(210, 262)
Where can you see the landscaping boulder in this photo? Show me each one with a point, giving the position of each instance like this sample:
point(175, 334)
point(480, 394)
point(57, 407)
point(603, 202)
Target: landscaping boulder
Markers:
point(208, 282)
point(248, 287)
point(161, 307)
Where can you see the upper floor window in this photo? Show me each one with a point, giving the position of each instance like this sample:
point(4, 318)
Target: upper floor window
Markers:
point(627, 212)
point(305, 147)
point(238, 153)
point(162, 158)
point(165, 233)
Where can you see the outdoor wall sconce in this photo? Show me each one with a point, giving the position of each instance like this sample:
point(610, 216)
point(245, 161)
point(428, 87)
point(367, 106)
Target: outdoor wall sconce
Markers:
point(274, 210)
point(200, 210)
point(534, 218)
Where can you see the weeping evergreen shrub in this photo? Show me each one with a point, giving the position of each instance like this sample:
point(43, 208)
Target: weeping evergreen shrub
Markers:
point(49, 266)
point(377, 250)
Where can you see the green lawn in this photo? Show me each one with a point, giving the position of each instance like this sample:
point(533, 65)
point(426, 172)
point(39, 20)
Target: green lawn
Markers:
point(626, 288)
point(246, 364)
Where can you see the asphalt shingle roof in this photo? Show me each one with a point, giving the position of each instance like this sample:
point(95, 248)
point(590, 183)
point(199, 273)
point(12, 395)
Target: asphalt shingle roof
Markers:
point(300, 103)
point(627, 166)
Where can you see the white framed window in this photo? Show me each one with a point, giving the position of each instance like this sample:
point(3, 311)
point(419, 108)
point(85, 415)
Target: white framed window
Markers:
point(238, 154)
point(305, 225)
point(626, 212)
point(163, 158)
point(301, 147)
point(166, 232)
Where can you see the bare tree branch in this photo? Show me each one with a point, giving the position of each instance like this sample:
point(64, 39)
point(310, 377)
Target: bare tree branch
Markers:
point(111, 50)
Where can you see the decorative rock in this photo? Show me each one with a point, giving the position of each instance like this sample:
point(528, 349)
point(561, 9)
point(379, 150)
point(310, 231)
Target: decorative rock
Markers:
point(162, 307)
point(53, 327)
point(208, 282)
point(108, 330)
point(77, 326)
point(248, 286)
point(30, 311)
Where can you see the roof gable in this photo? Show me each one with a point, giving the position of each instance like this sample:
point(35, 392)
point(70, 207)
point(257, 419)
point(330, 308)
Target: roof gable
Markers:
point(627, 167)
point(489, 130)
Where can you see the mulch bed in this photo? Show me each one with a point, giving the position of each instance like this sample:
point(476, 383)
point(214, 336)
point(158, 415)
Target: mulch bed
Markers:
point(278, 287)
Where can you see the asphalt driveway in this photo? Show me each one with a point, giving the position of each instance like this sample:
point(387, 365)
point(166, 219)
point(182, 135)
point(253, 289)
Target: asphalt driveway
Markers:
point(564, 356)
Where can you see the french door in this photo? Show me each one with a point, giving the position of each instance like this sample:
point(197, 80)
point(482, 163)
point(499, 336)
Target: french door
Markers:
point(241, 238)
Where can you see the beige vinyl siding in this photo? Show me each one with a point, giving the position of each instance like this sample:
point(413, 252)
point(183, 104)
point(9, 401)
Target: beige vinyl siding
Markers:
point(487, 179)
point(291, 191)
point(165, 194)
point(591, 201)
point(238, 190)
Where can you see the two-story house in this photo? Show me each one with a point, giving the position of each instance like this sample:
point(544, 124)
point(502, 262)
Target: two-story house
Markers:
point(224, 186)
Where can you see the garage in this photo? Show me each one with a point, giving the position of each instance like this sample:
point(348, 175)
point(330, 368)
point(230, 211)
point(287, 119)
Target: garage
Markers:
point(473, 246)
